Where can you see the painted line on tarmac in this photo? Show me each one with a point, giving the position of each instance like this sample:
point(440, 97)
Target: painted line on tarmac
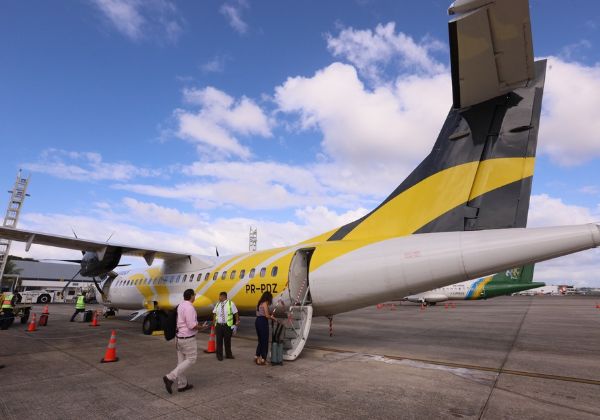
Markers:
point(466, 366)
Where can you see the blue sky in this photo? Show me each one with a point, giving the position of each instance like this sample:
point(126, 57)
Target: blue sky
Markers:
point(180, 124)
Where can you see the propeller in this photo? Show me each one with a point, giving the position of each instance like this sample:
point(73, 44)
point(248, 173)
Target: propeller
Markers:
point(217, 251)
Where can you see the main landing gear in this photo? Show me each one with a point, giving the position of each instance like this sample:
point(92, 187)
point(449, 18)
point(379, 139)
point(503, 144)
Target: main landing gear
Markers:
point(154, 321)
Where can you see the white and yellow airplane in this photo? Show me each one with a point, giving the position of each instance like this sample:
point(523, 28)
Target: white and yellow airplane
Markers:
point(459, 215)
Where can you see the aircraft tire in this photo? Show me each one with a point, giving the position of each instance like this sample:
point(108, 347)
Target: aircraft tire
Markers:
point(150, 323)
point(44, 299)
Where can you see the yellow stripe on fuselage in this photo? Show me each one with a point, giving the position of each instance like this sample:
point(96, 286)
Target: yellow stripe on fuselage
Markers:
point(479, 289)
point(429, 199)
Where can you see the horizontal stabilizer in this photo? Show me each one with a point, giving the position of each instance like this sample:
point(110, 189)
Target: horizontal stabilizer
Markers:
point(491, 50)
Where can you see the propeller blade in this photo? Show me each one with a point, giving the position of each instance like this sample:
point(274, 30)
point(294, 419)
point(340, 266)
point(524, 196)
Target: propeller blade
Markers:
point(58, 259)
point(217, 250)
point(76, 237)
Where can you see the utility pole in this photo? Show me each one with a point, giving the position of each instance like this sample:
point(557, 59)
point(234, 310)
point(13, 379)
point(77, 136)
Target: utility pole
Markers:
point(253, 239)
point(17, 197)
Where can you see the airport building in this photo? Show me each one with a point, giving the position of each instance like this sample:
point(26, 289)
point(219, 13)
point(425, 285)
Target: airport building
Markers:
point(35, 278)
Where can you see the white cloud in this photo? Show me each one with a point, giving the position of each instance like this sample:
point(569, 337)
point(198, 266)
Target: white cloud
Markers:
point(368, 126)
point(220, 118)
point(233, 12)
point(570, 126)
point(589, 189)
point(215, 65)
point(134, 223)
point(575, 51)
point(370, 51)
point(577, 269)
point(139, 19)
point(85, 166)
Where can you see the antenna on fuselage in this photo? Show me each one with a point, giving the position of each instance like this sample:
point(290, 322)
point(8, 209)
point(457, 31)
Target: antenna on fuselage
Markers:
point(253, 240)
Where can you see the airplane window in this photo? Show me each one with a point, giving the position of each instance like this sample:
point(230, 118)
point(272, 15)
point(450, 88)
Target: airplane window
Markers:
point(274, 271)
point(207, 276)
point(184, 278)
point(251, 275)
point(242, 274)
point(232, 276)
point(191, 277)
point(215, 275)
point(263, 271)
point(224, 275)
point(178, 277)
point(199, 277)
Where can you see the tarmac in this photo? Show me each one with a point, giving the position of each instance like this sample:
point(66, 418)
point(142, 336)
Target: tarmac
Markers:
point(509, 357)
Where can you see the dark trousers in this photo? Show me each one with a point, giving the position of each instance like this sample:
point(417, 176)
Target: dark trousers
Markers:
point(262, 331)
point(75, 314)
point(7, 318)
point(223, 333)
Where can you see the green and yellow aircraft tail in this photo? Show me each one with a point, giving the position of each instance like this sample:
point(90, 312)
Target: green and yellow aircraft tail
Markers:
point(504, 283)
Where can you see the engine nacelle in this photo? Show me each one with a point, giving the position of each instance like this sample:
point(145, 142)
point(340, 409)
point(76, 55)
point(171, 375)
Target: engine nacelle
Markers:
point(92, 265)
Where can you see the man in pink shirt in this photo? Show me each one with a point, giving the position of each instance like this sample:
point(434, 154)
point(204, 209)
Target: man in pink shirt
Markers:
point(187, 350)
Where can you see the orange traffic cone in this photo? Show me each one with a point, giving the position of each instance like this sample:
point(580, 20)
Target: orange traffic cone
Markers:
point(45, 311)
point(31, 327)
point(423, 306)
point(95, 320)
point(111, 350)
point(453, 305)
point(212, 343)
point(445, 305)
point(379, 305)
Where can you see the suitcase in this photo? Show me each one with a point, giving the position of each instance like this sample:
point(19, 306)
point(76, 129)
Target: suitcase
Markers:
point(88, 315)
point(277, 346)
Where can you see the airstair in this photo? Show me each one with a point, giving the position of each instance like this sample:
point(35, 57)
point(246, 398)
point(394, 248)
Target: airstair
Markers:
point(299, 315)
point(17, 197)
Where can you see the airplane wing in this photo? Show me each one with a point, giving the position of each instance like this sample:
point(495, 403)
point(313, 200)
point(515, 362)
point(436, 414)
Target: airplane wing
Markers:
point(40, 238)
point(490, 49)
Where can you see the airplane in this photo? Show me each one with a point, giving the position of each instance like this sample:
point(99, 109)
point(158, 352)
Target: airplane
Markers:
point(500, 284)
point(460, 215)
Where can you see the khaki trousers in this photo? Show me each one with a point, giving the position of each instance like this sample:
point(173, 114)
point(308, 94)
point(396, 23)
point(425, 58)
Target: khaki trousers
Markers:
point(187, 351)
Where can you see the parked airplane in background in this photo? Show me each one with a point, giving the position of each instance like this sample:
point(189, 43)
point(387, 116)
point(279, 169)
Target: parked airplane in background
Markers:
point(459, 215)
point(500, 284)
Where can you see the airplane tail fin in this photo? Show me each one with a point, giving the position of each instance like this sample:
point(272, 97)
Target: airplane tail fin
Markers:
point(519, 275)
point(479, 172)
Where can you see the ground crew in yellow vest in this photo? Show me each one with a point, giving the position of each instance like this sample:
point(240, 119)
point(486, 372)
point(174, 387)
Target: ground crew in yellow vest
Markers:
point(8, 315)
point(226, 321)
point(79, 306)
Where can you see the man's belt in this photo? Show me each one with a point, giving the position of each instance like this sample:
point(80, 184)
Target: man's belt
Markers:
point(185, 338)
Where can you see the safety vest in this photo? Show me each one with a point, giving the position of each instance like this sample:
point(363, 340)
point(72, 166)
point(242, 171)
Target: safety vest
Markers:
point(7, 302)
point(228, 313)
point(80, 303)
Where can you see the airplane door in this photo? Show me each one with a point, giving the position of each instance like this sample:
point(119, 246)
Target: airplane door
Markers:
point(298, 285)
